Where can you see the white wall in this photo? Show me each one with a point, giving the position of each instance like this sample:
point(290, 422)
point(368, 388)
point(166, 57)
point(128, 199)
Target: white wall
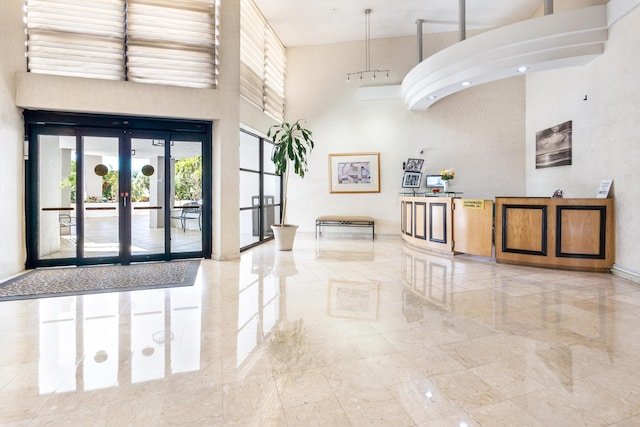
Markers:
point(478, 132)
point(606, 131)
point(13, 253)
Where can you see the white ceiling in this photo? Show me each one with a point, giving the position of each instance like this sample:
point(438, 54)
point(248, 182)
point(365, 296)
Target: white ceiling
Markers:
point(313, 22)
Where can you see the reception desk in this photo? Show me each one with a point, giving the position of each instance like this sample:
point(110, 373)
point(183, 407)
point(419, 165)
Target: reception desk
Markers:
point(448, 224)
point(575, 234)
point(562, 233)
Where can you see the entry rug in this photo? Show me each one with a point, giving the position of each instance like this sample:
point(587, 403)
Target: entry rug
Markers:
point(55, 282)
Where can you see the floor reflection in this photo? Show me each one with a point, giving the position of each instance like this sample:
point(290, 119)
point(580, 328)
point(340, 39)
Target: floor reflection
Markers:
point(393, 337)
point(81, 338)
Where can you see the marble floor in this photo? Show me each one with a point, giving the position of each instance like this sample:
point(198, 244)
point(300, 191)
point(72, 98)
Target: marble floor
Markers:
point(338, 332)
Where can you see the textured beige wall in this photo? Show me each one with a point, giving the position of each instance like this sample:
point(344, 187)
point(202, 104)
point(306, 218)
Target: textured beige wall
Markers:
point(479, 132)
point(605, 131)
point(222, 106)
point(13, 254)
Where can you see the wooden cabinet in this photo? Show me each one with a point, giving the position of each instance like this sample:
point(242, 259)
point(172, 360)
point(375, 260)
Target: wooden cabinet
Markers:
point(562, 233)
point(448, 225)
point(426, 222)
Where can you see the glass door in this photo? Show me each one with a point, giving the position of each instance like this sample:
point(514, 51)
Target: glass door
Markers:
point(56, 215)
point(102, 197)
point(145, 196)
point(98, 198)
point(186, 194)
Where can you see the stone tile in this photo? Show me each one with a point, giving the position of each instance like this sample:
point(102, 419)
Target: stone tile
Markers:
point(463, 342)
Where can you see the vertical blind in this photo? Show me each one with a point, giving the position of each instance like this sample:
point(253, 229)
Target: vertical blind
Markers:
point(150, 41)
point(263, 62)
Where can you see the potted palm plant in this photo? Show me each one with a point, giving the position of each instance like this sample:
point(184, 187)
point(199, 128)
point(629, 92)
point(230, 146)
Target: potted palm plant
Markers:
point(292, 145)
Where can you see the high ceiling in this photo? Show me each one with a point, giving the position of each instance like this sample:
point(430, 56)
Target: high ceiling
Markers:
point(313, 22)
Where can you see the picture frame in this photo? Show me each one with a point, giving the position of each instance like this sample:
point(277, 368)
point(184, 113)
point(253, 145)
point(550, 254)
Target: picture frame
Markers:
point(353, 300)
point(554, 146)
point(413, 165)
point(354, 173)
point(411, 180)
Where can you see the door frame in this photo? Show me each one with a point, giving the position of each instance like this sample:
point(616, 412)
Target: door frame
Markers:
point(123, 127)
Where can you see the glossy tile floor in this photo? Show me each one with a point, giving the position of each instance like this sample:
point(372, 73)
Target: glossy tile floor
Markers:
point(339, 332)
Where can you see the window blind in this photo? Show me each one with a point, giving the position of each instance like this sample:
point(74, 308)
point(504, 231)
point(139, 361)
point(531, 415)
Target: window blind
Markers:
point(151, 41)
point(262, 62)
point(82, 38)
point(172, 42)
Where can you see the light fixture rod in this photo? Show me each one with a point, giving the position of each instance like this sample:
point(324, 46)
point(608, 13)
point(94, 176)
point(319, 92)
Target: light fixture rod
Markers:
point(419, 34)
point(462, 18)
point(368, 72)
point(367, 38)
point(548, 7)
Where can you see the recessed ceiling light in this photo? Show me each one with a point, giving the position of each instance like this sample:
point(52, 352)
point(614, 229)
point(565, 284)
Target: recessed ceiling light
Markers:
point(522, 69)
point(467, 83)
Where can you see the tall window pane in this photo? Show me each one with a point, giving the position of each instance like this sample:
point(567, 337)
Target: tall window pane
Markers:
point(260, 190)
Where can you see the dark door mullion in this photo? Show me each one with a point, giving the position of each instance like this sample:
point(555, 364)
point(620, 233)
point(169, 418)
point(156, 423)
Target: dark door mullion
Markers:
point(79, 199)
point(124, 197)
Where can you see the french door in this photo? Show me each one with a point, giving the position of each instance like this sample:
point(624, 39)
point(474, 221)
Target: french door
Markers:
point(115, 196)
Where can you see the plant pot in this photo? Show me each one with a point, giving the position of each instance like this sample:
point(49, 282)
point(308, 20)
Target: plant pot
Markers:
point(284, 235)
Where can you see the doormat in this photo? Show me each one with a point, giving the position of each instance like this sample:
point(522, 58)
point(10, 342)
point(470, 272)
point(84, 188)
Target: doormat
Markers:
point(56, 282)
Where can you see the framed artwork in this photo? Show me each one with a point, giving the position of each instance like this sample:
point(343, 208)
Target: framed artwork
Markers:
point(355, 300)
point(354, 173)
point(411, 180)
point(553, 146)
point(413, 165)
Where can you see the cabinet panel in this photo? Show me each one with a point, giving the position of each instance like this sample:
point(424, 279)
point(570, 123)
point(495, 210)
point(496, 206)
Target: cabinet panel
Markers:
point(420, 222)
point(407, 218)
point(562, 233)
point(524, 229)
point(438, 222)
point(581, 231)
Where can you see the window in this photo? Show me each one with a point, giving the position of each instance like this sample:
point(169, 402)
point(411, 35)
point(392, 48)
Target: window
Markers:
point(260, 190)
point(263, 62)
point(150, 41)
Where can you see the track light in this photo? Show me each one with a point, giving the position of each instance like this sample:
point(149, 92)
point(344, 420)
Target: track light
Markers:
point(367, 40)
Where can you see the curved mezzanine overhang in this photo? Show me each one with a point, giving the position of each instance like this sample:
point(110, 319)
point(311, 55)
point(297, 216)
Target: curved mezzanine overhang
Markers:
point(559, 40)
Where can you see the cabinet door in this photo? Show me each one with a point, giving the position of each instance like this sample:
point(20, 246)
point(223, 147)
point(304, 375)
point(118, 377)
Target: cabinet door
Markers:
point(473, 226)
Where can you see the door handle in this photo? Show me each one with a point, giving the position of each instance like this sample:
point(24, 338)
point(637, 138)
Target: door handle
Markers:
point(124, 199)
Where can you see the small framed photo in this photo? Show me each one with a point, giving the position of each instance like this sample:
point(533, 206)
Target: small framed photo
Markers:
point(411, 180)
point(413, 165)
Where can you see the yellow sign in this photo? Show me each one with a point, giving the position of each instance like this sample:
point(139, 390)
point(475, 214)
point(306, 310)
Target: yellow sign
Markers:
point(472, 204)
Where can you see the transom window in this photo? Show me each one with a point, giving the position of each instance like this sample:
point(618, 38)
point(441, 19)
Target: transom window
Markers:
point(150, 41)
